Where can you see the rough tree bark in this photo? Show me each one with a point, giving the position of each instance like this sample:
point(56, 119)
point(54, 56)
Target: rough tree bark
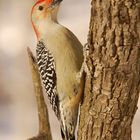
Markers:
point(112, 89)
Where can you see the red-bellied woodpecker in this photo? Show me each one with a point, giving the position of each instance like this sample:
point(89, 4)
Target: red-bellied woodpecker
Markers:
point(59, 58)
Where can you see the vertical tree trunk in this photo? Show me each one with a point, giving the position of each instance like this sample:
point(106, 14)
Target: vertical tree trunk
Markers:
point(112, 90)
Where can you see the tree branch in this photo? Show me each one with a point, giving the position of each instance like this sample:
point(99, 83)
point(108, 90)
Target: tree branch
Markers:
point(44, 125)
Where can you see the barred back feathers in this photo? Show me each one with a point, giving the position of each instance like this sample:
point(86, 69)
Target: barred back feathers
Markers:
point(46, 67)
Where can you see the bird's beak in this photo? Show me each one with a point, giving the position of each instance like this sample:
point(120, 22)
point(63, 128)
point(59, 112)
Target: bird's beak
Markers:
point(55, 3)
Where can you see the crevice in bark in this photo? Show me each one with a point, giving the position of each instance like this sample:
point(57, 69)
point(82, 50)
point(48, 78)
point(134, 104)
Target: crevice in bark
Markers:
point(112, 90)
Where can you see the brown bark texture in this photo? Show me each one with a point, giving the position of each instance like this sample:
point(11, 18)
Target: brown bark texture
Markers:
point(112, 89)
point(44, 125)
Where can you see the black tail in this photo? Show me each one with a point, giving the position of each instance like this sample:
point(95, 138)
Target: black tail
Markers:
point(66, 137)
point(73, 138)
point(62, 134)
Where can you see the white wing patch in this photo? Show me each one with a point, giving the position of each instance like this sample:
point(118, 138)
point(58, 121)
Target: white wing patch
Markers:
point(46, 67)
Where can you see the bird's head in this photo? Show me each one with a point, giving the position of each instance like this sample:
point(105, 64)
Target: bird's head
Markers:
point(44, 10)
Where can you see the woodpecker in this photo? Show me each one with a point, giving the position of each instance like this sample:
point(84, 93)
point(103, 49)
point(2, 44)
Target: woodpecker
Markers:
point(59, 59)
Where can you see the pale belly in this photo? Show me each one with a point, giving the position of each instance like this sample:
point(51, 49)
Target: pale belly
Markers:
point(66, 70)
point(68, 59)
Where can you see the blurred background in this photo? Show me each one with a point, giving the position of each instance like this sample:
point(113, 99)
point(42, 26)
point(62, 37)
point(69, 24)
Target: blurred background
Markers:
point(18, 112)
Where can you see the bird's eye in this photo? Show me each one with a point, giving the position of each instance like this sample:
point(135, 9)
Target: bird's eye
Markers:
point(40, 8)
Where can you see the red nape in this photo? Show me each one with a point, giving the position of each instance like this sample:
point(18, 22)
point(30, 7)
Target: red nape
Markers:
point(39, 1)
point(48, 2)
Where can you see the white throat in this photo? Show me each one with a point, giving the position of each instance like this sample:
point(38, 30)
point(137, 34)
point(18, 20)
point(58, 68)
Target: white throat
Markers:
point(44, 23)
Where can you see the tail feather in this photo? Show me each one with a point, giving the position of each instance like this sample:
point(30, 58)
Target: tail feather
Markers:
point(66, 136)
point(62, 135)
point(73, 138)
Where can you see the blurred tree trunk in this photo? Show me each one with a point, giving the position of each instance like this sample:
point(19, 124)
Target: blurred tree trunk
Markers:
point(112, 89)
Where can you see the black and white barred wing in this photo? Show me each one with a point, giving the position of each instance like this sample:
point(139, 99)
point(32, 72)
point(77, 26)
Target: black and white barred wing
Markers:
point(46, 67)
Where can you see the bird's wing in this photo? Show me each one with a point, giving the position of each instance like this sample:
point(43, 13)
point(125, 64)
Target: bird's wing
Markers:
point(46, 68)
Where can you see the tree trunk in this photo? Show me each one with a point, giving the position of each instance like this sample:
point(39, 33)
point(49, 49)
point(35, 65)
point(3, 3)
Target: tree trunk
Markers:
point(112, 89)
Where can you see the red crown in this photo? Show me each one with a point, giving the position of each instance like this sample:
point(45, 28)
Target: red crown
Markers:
point(48, 2)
